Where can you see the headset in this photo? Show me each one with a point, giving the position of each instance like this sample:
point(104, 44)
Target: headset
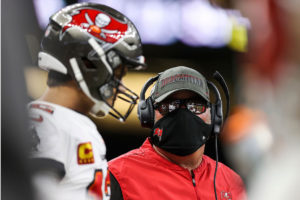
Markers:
point(146, 111)
point(145, 106)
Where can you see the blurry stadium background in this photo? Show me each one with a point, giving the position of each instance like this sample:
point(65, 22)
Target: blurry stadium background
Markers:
point(254, 44)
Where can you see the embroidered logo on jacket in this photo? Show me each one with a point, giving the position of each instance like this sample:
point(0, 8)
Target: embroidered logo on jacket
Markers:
point(226, 196)
point(85, 153)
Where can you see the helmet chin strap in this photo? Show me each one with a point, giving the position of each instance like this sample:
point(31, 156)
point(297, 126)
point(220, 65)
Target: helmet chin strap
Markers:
point(100, 108)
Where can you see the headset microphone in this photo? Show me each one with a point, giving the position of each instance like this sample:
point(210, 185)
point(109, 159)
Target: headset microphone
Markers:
point(218, 119)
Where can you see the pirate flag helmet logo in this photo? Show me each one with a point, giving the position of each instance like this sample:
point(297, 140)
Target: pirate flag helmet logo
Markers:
point(100, 25)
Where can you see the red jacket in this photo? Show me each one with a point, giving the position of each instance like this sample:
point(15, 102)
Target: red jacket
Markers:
point(144, 175)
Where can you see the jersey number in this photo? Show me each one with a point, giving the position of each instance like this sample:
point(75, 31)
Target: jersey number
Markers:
point(95, 187)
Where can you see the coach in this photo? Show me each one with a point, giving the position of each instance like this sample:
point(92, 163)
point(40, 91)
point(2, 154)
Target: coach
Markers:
point(171, 163)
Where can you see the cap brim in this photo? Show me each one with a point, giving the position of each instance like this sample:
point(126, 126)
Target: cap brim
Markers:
point(164, 96)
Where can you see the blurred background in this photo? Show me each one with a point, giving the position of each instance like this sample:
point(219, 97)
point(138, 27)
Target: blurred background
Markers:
point(254, 44)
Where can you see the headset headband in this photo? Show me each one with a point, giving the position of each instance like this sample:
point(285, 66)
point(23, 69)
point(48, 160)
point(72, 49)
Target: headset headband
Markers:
point(146, 86)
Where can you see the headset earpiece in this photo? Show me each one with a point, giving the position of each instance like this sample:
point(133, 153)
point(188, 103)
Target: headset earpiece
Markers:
point(146, 113)
point(217, 107)
point(216, 110)
point(145, 106)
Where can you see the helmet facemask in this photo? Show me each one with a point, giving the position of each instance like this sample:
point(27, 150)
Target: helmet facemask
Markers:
point(127, 96)
point(89, 72)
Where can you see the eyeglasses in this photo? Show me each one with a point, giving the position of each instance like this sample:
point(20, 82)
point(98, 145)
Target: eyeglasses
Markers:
point(196, 106)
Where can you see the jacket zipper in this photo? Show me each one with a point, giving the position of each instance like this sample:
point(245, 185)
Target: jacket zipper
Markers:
point(193, 178)
point(194, 183)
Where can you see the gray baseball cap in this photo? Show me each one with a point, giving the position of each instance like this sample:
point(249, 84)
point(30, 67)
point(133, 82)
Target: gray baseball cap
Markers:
point(179, 78)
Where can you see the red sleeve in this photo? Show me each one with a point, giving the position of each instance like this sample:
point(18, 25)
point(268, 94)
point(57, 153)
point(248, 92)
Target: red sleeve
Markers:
point(234, 181)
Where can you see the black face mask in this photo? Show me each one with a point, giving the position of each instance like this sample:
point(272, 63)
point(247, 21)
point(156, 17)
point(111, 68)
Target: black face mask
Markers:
point(180, 132)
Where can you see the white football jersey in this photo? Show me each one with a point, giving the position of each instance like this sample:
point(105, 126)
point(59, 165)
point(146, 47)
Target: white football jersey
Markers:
point(72, 139)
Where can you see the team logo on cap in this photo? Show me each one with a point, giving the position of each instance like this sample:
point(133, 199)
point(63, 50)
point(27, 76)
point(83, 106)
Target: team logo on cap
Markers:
point(85, 153)
point(181, 78)
point(98, 24)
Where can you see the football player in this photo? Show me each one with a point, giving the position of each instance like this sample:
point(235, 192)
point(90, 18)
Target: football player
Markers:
point(87, 49)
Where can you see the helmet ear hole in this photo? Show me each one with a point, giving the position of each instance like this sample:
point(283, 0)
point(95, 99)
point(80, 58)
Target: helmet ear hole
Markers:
point(88, 64)
point(106, 91)
point(114, 59)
